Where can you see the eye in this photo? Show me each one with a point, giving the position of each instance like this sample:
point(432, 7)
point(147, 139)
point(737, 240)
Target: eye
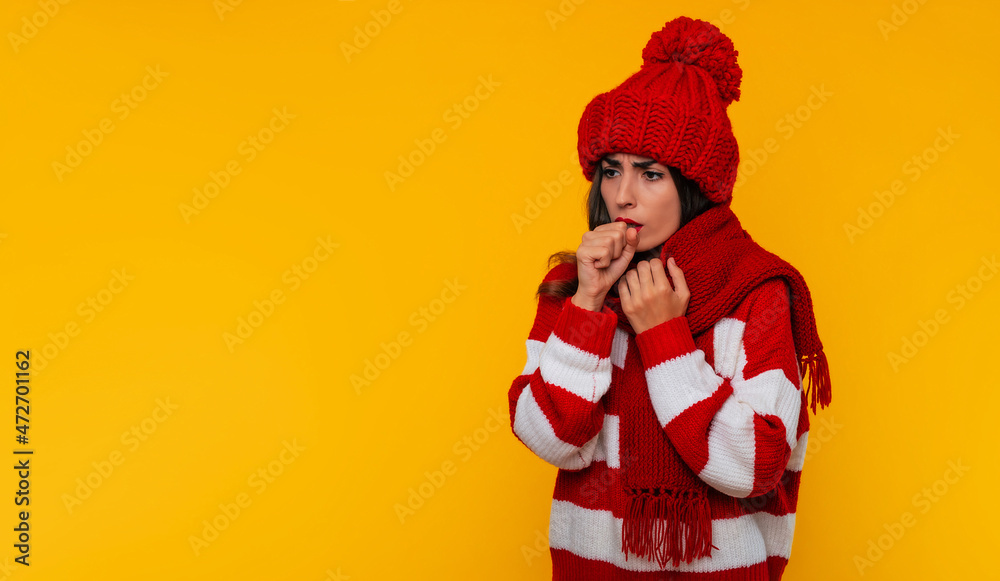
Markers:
point(656, 175)
point(606, 170)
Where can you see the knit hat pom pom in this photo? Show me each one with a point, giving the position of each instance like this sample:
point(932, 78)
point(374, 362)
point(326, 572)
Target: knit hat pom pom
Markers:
point(699, 43)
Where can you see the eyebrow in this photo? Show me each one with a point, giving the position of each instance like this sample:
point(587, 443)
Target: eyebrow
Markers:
point(615, 163)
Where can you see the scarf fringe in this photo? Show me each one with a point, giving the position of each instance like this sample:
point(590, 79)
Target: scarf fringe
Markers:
point(666, 526)
point(818, 381)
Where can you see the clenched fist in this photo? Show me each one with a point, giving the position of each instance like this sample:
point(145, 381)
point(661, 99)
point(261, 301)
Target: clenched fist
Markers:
point(602, 257)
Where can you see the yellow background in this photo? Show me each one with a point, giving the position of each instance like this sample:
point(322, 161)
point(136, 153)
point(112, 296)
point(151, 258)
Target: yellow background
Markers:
point(330, 510)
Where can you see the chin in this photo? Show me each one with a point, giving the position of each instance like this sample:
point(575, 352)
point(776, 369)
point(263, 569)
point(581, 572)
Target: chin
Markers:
point(644, 253)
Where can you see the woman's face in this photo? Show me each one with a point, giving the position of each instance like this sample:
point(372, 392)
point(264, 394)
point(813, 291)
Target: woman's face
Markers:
point(642, 190)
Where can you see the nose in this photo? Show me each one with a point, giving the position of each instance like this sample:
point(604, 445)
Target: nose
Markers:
point(625, 196)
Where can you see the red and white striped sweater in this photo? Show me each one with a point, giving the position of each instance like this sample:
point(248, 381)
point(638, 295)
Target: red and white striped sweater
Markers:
point(730, 400)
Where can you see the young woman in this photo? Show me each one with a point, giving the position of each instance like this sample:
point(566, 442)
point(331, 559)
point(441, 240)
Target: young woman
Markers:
point(665, 365)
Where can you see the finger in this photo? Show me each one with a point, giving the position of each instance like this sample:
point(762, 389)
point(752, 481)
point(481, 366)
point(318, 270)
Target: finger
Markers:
point(623, 293)
point(602, 248)
point(631, 242)
point(678, 275)
point(600, 255)
point(632, 278)
point(607, 227)
point(632, 237)
point(657, 270)
point(613, 240)
point(644, 274)
point(621, 238)
point(584, 253)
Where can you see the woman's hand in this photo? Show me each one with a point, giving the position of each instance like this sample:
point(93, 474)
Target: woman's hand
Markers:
point(602, 257)
point(647, 297)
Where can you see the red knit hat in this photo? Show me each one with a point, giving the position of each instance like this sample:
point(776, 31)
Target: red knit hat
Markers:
point(673, 109)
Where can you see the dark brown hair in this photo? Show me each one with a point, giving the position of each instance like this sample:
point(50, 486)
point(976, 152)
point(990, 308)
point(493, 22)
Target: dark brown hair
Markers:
point(693, 203)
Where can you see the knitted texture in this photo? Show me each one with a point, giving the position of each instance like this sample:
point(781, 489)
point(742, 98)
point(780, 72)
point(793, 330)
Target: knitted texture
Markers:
point(739, 423)
point(673, 109)
point(668, 517)
point(720, 259)
point(684, 442)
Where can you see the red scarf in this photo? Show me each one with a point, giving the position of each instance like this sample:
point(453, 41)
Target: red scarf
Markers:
point(668, 515)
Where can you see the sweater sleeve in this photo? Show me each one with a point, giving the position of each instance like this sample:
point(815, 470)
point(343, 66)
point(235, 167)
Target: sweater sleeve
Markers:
point(736, 424)
point(555, 403)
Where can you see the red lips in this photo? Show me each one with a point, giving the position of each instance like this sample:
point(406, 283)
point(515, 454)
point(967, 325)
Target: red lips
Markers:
point(637, 225)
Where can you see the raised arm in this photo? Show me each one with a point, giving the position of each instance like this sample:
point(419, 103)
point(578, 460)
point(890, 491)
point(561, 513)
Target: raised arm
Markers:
point(734, 425)
point(555, 403)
